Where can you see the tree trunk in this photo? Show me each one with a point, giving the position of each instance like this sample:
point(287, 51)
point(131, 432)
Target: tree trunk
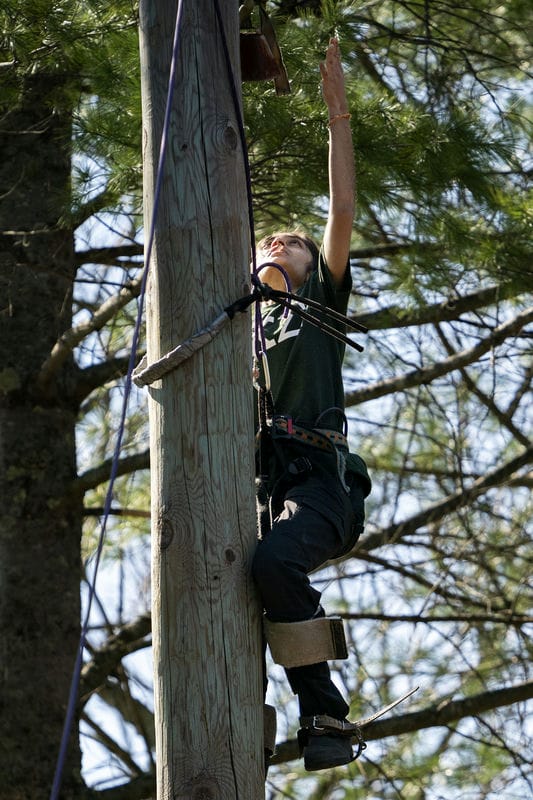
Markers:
point(39, 534)
point(206, 629)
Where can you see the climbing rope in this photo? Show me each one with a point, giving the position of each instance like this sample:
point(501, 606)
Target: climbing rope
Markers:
point(144, 375)
point(74, 686)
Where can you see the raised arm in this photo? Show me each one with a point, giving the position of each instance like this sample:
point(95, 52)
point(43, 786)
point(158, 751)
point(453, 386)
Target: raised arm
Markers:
point(341, 165)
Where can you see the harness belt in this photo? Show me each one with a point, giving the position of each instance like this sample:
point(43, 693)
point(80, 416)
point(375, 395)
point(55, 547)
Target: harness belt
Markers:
point(323, 438)
point(296, 644)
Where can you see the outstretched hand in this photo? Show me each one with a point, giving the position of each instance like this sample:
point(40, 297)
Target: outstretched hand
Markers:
point(333, 89)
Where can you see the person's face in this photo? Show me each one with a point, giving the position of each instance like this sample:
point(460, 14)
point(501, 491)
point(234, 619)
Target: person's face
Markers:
point(290, 252)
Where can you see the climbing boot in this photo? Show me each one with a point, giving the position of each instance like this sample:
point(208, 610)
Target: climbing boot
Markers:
point(324, 752)
point(327, 742)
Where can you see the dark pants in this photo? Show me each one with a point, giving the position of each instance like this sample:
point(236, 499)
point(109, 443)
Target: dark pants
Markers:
point(301, 540)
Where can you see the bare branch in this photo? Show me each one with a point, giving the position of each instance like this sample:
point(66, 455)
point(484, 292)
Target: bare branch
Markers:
point(71, 338)
point(110, 255)
point(437, 511)
point(94, 477)
point(111, 745)
point(142, 788)
point(522, 390)
point(420, 377)
point(447, 310)
point(515, 620)
point(503, 418)
point(97, 375)
point(444, 713)
point(97, 511)
point(105, 660)
point(116, 693)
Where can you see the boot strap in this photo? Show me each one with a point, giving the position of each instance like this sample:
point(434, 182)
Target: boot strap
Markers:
point(321, 725)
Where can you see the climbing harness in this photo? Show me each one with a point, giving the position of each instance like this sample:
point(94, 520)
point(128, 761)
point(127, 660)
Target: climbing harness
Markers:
point(271, 426)
point(323, 438)
point(323, 725)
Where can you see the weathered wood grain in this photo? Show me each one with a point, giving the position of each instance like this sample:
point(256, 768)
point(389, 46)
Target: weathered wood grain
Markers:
point(206, 620)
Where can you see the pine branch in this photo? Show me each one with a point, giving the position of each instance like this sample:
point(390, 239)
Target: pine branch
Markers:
point(97, 511)
point(415, 576)
point(523, 390)
point(503, 418)
point(99, 202)
point(445, 713)
point(365, 57)
point(423, 376)
point(514, 620)
point(388, 249)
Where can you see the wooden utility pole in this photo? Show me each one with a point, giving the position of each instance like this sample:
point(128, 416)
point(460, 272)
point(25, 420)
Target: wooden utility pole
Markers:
point(206, 621)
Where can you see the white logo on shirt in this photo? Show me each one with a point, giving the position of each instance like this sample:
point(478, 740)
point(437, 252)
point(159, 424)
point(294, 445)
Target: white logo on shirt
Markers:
point(288, 327)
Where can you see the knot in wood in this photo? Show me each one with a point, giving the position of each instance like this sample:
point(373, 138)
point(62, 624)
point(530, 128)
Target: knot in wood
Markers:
point(230, 137)
point(166, 531)
point(204, 791)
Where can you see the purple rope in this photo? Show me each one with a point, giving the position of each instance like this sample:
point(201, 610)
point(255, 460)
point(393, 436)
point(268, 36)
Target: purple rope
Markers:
point(259, 330)
point(74, 686)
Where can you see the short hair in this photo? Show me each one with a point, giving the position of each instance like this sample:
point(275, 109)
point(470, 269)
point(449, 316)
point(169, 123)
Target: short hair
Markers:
point(303, 236)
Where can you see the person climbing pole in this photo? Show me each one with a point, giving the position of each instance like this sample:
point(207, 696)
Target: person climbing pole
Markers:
point(312, 487)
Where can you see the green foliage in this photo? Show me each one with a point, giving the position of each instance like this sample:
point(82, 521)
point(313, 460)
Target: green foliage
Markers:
point(89, 52)
point(436, 147)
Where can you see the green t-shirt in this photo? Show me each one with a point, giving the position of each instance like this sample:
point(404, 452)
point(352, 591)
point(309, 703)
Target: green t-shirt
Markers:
point(304, 362)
